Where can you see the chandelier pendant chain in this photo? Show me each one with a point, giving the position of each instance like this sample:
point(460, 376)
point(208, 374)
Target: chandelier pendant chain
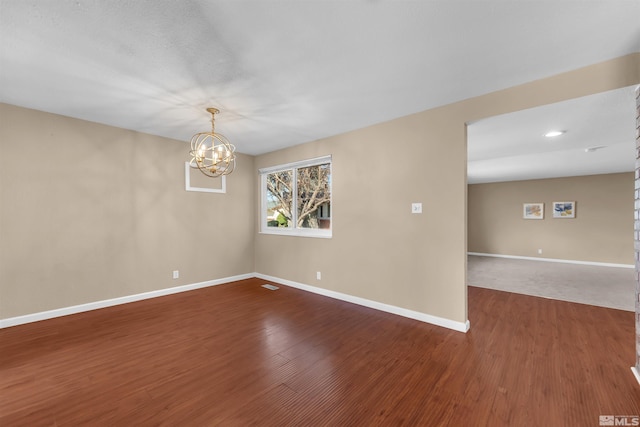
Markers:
point(213, 112)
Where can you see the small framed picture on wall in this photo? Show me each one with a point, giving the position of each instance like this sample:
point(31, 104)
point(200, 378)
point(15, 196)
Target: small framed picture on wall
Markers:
point(533, 211)
point(564, 209)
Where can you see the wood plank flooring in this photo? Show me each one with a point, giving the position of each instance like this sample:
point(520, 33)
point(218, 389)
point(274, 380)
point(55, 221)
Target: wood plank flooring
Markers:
point(238, 355)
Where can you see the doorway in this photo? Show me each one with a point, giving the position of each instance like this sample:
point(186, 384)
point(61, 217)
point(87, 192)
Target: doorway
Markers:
point(591, 163)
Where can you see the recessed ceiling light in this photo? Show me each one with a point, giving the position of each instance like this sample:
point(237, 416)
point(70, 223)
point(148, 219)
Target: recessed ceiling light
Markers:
point(554, 133)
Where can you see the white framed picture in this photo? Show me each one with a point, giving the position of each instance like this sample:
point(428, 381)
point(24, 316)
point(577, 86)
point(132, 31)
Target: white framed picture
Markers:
point(564, 209)
point(533, 211)
point(199, 182)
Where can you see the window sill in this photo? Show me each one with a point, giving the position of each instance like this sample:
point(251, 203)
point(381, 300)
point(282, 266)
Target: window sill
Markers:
point(318, 234)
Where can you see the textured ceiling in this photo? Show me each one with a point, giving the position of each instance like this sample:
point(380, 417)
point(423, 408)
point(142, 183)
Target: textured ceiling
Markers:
point(289, 72)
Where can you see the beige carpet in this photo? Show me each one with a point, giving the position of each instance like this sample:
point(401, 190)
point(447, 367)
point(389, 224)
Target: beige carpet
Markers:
point(611, 287)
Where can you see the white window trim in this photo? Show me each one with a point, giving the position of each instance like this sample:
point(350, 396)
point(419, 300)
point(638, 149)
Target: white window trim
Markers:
point(293, 231)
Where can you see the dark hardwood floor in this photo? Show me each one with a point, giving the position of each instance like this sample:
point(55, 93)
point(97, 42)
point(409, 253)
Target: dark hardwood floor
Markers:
point(238, 355)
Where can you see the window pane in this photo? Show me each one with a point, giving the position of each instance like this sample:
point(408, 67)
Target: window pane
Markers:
point(314, 196)
point(279, 199)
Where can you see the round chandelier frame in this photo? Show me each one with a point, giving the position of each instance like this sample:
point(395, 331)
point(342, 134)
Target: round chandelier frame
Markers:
point(211, 152)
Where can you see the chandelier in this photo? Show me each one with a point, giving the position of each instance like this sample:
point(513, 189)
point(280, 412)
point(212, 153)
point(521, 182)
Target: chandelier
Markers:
point(211, 152)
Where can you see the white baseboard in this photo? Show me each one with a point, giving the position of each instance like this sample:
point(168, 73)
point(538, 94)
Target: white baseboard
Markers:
point(636, 373)
point(565, 261)
point(423, 317)
point(50, 314)
point(43, 315)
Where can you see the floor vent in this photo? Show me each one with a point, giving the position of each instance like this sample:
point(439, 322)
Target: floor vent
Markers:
point(271, 287)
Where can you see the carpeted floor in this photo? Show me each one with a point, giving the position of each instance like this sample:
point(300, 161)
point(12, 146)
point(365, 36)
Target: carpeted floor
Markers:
point(611, 287)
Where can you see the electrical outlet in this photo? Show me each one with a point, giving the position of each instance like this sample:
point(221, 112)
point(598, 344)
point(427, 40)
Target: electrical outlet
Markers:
point(416, 208)
point(539, 251)
point(176, 274)
point(318, 275)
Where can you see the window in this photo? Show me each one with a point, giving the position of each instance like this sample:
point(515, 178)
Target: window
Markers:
point(296, 198)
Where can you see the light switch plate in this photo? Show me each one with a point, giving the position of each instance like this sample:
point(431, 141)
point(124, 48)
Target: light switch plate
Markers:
point(416, 208)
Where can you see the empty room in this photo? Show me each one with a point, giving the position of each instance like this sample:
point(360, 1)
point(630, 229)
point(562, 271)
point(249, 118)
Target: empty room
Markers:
point(255, 213)
point(582, 254)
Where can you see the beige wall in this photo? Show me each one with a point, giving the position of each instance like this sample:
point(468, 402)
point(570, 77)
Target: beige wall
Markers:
point(91, 212)
point(379, 250)
point(103, 212)
point(602, 230)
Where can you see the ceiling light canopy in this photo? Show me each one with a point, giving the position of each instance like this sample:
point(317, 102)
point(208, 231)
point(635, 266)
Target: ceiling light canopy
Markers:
point(592, 149)
point(211, 152)
point(554, 133)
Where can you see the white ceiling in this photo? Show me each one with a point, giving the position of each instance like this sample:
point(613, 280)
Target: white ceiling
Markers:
point(513, 147)
point(285, 72)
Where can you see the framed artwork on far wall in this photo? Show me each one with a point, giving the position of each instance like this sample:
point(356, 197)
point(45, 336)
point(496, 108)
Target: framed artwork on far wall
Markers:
point(533, 211)
point(564, 209)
